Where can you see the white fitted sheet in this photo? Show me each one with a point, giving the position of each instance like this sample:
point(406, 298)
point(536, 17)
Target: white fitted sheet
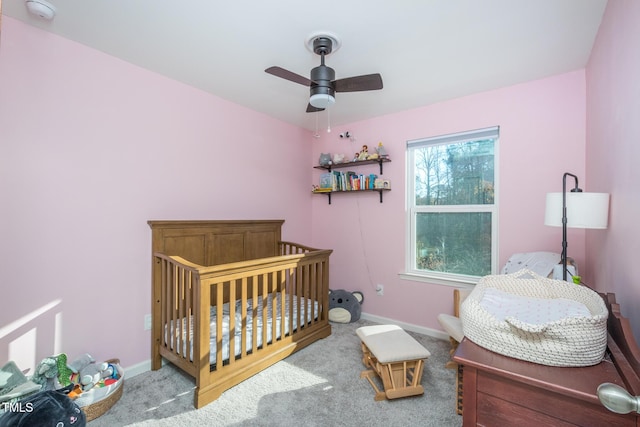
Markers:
point(531, 310)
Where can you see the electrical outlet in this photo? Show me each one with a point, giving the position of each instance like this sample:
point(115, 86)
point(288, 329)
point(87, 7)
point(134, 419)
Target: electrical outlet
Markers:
point(147, 322)
point(380, 289)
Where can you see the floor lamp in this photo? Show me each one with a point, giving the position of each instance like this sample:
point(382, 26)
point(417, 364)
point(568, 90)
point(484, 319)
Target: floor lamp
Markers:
point(575, 209)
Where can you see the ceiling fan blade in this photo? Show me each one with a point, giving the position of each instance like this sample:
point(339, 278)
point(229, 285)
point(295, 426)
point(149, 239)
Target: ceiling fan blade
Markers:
point(288, 75)
point(312, 109)
point(359, 83)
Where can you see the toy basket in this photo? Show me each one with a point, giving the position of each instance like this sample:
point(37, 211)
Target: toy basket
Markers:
point(577, 337)
point(97, 401)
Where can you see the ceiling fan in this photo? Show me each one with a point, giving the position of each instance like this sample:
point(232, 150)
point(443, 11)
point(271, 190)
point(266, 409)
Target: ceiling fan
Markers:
point(322, 84)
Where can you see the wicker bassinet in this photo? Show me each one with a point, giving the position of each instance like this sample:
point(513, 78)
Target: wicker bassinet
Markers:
point(570, 341)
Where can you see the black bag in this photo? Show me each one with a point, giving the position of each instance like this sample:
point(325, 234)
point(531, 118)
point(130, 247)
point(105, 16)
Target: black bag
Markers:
point(43, 409)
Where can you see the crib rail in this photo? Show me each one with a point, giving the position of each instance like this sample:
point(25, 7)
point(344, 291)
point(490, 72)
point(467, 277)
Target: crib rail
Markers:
point(288, 248)
point(295, 285)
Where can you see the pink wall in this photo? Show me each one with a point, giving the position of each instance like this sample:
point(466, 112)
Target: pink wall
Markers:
point(542, 127)
point(612, 151)
point(90, 149)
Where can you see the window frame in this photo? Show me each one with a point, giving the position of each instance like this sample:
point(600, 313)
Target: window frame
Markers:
point(412, 210)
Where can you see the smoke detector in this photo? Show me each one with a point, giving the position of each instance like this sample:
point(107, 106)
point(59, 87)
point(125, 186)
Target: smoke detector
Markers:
point(41, 8)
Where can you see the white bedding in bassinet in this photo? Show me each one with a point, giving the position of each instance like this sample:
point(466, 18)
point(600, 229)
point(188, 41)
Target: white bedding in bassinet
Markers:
point(306, 314)
point(535, 311)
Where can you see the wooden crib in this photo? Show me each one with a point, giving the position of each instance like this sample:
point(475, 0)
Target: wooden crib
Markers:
point(230, 298)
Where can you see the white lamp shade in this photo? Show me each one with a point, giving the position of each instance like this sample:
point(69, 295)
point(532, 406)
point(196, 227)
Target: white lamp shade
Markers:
point(321, 100)
point(584, 210)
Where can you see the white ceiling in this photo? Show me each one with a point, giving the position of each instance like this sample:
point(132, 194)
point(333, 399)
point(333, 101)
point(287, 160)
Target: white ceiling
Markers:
point(426, 50)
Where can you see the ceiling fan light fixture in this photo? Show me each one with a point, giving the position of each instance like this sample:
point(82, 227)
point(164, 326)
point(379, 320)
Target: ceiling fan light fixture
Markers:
point(322, 100)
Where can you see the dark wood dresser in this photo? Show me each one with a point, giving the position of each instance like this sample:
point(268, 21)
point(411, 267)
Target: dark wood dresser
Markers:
point(503, 391)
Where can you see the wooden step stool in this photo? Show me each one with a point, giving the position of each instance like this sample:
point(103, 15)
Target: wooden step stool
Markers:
point(395, 357)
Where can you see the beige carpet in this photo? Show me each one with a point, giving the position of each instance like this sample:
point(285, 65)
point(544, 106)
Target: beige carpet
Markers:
point(317, 386)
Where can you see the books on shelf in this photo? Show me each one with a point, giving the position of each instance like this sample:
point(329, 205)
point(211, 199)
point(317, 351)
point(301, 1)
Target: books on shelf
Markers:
point(382, 184)
point(326, 180)
point(351, 181)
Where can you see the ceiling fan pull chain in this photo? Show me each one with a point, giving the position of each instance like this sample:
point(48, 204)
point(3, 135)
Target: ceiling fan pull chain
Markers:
point(316, 135)
point(328, 120)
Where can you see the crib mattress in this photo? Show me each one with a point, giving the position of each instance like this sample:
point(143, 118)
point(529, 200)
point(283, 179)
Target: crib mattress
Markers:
point(306, 313)
point(529, 317)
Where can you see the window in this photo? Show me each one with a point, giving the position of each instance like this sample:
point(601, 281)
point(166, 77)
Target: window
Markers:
point(452, 211)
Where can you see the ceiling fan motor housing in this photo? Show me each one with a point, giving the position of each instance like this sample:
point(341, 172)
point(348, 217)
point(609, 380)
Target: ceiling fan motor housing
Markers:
point(322, 76)
point(322, 45)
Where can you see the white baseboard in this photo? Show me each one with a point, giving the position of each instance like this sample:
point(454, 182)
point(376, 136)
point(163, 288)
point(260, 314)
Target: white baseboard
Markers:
point(137, 369)
point(407, 326)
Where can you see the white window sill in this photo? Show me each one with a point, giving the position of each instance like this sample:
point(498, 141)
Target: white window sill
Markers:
point(462, 282)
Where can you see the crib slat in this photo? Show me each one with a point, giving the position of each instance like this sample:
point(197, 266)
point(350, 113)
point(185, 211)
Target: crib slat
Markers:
point(254, 315)
point(314, 294)
point(243, 314)
point(274, 306)
point(171, 307)
point(189, 315)
point(219, 301)
point(232, 321)
point(265, 310)
point(167, 303)
point(292, 295)
point(180, 310)
point(307, 294)
point(163, 286)
point(283, 300)
point(324, 289)
point(299, 290)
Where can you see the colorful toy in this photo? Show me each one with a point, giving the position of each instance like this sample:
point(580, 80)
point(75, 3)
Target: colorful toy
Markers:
point(381, 151)
point(364, 153)
point(88, 374)
point(109, 371)
point(52, 372)
point(325, 159)
point(81, 362)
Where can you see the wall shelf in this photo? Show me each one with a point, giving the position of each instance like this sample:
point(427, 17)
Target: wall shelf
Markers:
point(355, 164)
point(329, 193)
point(379, 161)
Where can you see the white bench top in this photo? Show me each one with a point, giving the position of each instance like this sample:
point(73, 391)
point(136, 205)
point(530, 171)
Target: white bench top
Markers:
point(390, 343)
